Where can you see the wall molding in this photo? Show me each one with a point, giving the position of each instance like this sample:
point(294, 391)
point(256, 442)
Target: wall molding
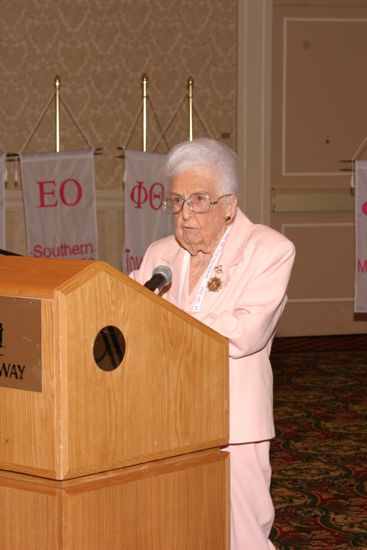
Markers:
point(312, 200)
point(311, 300)
point(286, 22)
point(105, 199)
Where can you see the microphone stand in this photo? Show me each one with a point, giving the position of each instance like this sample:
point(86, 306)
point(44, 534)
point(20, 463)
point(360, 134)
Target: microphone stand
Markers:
point(8, 253)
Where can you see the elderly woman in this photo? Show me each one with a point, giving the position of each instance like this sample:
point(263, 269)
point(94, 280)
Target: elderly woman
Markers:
point(232, 275)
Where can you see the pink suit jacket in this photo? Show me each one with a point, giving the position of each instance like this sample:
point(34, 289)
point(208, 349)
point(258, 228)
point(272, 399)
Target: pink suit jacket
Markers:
point(256, 264)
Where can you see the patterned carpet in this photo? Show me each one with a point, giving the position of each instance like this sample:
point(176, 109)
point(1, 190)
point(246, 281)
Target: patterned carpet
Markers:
point(319, 456)
point(342, 342)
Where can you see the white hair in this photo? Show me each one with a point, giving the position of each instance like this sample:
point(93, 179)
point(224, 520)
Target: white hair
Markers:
point(207, 155)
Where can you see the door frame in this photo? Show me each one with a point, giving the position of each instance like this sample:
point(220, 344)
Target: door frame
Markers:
point(254, 62)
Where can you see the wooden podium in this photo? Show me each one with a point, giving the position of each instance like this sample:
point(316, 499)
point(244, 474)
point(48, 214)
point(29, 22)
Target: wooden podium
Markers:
point(113, 409)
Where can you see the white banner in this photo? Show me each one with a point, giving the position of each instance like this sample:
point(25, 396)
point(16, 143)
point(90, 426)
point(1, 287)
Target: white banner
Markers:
point(2, 200)
point(59, 203)
point(360, 297)
point(145, 220)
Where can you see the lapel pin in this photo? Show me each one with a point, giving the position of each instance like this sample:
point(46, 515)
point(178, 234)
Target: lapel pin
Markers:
point(215, 283)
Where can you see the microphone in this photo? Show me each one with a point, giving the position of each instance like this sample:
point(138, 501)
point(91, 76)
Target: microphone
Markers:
point(161, 277)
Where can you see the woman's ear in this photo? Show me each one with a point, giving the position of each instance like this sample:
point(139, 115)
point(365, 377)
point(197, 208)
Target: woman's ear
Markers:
point(231, 208)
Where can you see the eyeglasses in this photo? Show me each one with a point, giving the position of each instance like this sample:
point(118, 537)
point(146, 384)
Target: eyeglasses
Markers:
point(199, 203)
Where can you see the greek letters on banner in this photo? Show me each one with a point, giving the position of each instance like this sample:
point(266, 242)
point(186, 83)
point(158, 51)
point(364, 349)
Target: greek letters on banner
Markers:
point(2, 200)
point(360, 298)
point(145, 220)
point(59, 204)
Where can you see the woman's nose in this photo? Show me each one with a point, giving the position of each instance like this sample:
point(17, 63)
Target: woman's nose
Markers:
point(186, 211)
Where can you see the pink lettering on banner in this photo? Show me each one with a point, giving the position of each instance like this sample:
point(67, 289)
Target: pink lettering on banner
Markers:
point(45, 191)
point(156, 195)
point(138, 194)
point(362, 266)
point(131, 262)
point(70, 192)
point(63, 250)
point(73, 185)
point(153, 195)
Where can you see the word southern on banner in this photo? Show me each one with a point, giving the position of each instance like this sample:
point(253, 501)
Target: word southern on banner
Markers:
point(60, 205)
point(360, 296)
point(145, 220)
point(2, 200)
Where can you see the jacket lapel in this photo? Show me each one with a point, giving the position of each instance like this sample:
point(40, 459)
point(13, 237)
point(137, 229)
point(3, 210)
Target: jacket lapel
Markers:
point(231, 256)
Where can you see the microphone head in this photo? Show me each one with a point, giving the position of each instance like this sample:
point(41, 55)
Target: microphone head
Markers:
point(165, 272)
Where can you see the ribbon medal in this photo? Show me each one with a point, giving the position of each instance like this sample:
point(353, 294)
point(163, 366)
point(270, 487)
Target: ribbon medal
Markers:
point(215, 283)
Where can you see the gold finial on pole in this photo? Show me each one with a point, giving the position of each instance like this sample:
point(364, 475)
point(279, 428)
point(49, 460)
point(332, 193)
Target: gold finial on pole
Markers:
point(190, 86)
point(144, 83)
point(57, 113)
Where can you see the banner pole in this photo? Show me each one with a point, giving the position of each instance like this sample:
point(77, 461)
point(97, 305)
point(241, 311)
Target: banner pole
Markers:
point(57, 113)
point(145, 99)
point(190, 86)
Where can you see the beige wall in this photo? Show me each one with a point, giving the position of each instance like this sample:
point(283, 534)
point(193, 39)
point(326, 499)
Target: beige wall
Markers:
point(100, 49)
point(318, 121)
point(290, 131)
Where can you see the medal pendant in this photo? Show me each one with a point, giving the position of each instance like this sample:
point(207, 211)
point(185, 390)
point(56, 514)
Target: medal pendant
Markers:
point(214, 284)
